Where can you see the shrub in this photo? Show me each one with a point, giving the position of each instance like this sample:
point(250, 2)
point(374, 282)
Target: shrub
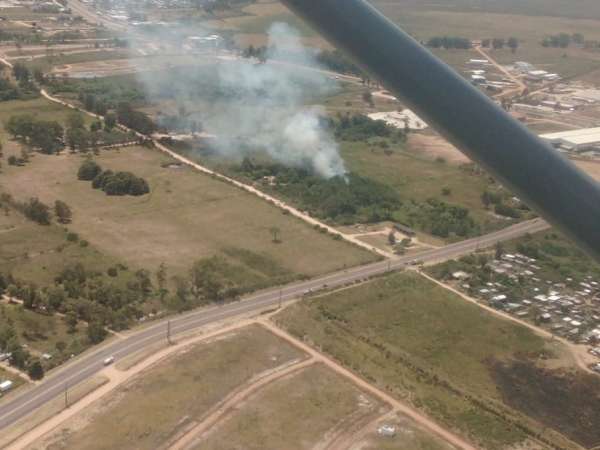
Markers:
point(89, 170)
point(72, 237)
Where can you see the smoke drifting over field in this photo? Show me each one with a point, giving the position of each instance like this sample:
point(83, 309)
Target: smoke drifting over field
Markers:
point(262, 107)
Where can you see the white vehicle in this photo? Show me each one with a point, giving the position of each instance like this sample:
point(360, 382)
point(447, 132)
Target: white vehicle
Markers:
point(5, 385)
point(108, 361)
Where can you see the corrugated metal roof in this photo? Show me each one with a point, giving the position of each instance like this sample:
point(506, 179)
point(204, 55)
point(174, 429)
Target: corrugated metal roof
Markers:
point(575, 137)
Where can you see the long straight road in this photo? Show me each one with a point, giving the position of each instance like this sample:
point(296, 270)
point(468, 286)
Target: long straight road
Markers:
point(91, 363)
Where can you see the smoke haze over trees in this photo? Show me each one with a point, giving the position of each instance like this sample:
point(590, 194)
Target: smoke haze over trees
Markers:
point(266, 107)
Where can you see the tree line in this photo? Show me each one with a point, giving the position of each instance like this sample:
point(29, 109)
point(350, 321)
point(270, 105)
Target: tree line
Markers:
point(563, 40)
point(449, 42)
point(37, 211)
point(49, 136)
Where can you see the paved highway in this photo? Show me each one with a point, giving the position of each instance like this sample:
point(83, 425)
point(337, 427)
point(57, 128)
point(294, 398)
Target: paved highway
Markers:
point(91, 363)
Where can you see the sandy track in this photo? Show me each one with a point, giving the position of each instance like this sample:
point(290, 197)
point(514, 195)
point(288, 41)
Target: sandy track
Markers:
point(426, 422)
point(226, 407)
point(347, 441)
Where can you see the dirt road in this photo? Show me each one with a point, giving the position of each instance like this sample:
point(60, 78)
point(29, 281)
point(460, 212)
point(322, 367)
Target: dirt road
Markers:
point(426, 422)
point(512, 92)
point(233, 401)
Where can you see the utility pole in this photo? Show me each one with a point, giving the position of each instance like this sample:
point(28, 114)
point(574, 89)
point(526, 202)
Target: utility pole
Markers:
point(169, 332)
point(66, 394)
point(280, 295)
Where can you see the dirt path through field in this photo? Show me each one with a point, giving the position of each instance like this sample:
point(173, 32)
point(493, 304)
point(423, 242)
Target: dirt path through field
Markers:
point(347, 441)
point(426, 422)
point(232, 402)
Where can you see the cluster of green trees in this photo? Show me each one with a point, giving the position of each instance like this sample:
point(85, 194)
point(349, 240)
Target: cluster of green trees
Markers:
point(8, 91)
point(448, 42)
point(20, 357)
point(80, 138)
point(348, 199)
point(259, 53)
point(81, 294)
point(25, 80)
point(503, 206)
point(45, 136)
point(499, 43)
point(359, 127)
point(116, 298)
point(563, 40)
point(136, 120)
point(439, 218)
point(113, 183)
point(357, 199)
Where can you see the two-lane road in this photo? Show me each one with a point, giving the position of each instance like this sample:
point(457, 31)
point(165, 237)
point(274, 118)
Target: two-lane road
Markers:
point(90, 364)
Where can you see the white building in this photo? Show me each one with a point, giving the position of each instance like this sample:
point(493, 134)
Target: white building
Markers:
point(478, 79)
point(576, 140)
point(199, 42)
point(478, 62)
point(536, 75)
point(401, 119)
point(523, 66)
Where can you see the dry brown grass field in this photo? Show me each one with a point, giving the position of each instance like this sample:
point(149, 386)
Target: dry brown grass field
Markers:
point(152, 409)
point(187, 216)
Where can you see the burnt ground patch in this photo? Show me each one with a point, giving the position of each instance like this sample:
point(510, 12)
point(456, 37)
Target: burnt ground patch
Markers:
point(568, 401)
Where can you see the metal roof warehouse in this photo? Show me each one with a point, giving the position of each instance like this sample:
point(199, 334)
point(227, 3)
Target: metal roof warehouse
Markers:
point(574, 140)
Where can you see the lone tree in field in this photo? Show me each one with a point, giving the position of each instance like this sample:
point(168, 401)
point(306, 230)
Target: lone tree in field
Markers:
point(62, 212)
point(499, 250)
point(161, 281)
point(392, 238)
point(276, 232)
point(35, 370)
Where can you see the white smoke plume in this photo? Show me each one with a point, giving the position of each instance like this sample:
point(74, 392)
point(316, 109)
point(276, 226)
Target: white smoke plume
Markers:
point(267, 110)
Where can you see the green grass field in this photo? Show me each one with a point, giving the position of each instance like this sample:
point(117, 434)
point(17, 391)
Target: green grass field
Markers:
point(150, 410)
point(38, 253)
point(416, 176)
point(423, 343)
